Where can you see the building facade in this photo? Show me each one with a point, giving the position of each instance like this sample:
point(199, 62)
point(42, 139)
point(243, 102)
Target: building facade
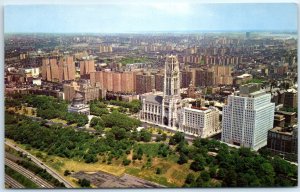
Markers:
point(124, 82)
point(283, 140)
point(247, 117)
point(290, 99)
point(58, 69)
point(202, 122)
point(85, 88)
point(87, 67)
point(163, 108)
point(145, 83)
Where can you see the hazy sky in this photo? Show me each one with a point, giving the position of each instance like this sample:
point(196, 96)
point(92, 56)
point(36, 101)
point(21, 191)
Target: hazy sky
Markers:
point(118, 18)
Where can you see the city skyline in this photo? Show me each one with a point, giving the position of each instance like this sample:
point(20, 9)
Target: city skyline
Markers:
point(147, 17)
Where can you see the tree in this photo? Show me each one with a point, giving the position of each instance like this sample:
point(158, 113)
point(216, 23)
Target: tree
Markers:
point(213, 172)
point(266, 174)
point(190, 178)
point(158, 138)
point(198, 164)
point(140, 153)
point(84, 183)
point(176, 138)
point(158, 171)
point(90, 158)
point(67, 172)
point(120, 133)
point(126, 162)
point(95, 121)
point(163, 137)
point(245, 152)
point(231, 179)
point(145, 135)
point(182, 159)
point(163, 150)
point(205, 176)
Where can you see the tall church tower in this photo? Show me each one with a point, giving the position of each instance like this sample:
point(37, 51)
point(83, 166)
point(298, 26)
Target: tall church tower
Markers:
point(171, 98)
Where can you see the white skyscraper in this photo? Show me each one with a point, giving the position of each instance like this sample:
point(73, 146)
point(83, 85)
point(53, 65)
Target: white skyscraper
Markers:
point(247, 117)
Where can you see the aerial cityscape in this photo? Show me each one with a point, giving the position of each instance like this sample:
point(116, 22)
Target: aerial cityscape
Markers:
point(159, 95)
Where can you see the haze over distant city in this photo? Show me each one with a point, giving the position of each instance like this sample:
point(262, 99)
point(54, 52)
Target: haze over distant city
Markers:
point(149, 17)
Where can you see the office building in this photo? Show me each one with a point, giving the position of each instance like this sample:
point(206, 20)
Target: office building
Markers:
point(247, 117)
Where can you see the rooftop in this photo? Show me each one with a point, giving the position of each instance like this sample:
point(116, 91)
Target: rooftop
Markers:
point(156, 99)
point(284, 131)
point(286, 113)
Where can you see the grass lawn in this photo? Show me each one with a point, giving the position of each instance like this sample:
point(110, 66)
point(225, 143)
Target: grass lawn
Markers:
point(150, 149)
point(57, 120)
point(28, 111)
point(130, 60)
point(155, 130)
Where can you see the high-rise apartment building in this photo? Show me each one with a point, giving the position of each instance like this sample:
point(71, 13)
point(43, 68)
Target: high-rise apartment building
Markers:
point(105, 49)
point(186, 78)
point(123, 82)
point(70, 90)
point(55, 71)
point(247, 117)
point(145, 83)
point(87, 66)
point(290, 99)
point(85, 88)
point(159, 82)
point(215, 75)
point(66, 67)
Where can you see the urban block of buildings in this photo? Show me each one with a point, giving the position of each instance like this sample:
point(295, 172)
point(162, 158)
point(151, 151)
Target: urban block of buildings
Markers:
point(166, 108)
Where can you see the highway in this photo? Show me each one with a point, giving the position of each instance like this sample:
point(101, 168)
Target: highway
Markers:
point(34, 178)
point(12, 183)
point(42, 165)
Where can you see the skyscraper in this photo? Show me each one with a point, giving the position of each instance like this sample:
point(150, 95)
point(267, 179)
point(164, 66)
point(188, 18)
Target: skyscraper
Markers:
point(247, 117)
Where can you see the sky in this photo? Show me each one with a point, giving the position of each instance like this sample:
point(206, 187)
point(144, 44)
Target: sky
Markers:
point(150, 17)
